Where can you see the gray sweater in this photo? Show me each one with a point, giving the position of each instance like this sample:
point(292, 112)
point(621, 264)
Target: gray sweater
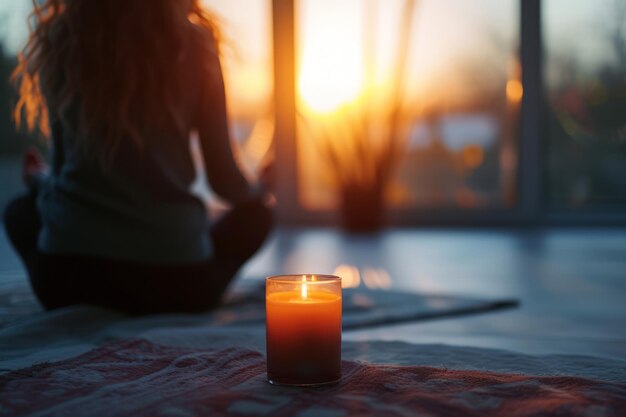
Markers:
point(140, 208)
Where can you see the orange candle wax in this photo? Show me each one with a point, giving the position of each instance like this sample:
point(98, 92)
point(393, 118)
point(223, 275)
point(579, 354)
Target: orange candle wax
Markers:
point(303, 329)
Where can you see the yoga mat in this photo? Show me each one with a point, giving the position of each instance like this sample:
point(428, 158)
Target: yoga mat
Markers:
point(363, 307)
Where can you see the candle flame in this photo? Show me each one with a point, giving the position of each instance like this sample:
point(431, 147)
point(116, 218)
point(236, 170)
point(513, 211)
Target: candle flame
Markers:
point(304, 289)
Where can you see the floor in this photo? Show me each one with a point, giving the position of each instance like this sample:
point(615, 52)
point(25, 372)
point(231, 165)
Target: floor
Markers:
point(571, 282)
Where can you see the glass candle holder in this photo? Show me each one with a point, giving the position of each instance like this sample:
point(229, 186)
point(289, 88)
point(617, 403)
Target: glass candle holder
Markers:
point(303, 329)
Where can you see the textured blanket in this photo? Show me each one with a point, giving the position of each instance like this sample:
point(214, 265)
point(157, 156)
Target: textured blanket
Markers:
point(138, 377)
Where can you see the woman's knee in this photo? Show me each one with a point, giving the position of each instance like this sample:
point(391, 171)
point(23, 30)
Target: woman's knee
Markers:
point(253, 216)
point(12, 214)
point(21, 221)
point(265, 214)
point(261, 218)
point(240, 233)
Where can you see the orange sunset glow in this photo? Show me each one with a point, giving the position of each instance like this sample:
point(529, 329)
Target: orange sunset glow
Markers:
point(360, 59)
point(333, 68)
point(331, 62)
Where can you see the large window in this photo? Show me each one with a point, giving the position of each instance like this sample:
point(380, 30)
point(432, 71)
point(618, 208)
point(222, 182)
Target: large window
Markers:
point(506, 112)
point(441, 78)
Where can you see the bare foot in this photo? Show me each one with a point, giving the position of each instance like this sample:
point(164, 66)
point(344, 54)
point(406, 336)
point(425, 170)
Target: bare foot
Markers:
point(33, 165)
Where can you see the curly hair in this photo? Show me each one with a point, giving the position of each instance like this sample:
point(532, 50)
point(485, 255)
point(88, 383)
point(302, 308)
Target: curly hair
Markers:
point(111, 69)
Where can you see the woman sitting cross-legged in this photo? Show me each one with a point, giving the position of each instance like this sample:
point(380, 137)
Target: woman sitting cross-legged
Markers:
point(118, 86)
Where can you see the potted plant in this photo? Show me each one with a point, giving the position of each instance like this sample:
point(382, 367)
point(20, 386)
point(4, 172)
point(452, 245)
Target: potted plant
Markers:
point(363, 142)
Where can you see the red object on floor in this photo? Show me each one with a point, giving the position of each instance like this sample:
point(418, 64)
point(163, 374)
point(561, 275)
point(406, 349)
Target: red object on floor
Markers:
point(139, 378)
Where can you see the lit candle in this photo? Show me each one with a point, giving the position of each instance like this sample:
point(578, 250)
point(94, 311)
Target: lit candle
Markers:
point(303, 329)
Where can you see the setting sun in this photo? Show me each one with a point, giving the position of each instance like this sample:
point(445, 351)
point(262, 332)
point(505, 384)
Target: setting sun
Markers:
point(331, 62)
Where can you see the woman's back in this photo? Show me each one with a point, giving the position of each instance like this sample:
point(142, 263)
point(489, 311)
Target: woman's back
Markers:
point(137, 205)
point(124, 85)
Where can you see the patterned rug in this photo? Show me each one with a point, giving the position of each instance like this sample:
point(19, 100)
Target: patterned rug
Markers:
point(140, 378)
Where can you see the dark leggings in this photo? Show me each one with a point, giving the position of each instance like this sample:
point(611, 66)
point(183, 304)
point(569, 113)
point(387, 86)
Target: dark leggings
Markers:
point(137, 288)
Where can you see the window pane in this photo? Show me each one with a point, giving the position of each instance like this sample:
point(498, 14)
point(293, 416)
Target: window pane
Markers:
point(586, 84)
point(443, 87)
